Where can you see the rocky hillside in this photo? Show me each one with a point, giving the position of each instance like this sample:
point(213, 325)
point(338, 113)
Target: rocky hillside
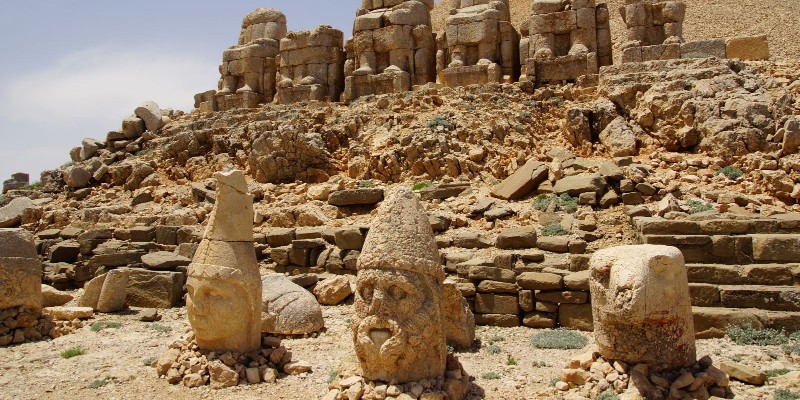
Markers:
point(705, 19)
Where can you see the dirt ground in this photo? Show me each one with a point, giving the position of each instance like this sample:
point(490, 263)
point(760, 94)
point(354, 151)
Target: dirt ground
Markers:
point(36, 371)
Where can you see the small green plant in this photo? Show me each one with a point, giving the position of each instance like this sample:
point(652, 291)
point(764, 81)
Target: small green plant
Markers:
point(366, 184)
point(490, 376)
point(771, 373)
point(420, 186)
point(784, 394)
point(528, 103)
point(524, 115)
point(737, 358)
point(495, 339)
point(68, 164)
point(565, 202)
point(72, 352)
point(698, 206)
point(563, 339)
point(731, 172)
point(607, 395)
point(555, 230)
point(450, 348)
point(347, 323)
point(160, 328)
point(99, 326)
point(791, 348)
point(748, 335)
point(554, 381)
point(540, 364)
point(493, 348)
point(511, 361)
point(34, 186)
point(438, 121)
point(149, 361)
point(333, 375)
point(98, 383)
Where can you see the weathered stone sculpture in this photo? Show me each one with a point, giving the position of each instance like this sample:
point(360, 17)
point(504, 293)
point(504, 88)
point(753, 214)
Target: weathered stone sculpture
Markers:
point(224, 286)
point(568, 39)
point(479, 46)
point(311, 66)
point(641, 306)
point(397, 325)
point(392, 48)
point(654, 30)
point(248, 69)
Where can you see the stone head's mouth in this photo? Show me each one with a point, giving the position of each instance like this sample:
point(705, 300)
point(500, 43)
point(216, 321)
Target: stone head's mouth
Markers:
point(379, 336)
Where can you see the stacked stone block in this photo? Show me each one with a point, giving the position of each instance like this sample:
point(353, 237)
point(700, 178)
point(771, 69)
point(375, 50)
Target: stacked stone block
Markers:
point(311, 66)
point(248, 69)
point(567, 39)
point(479, 46)
point(392, 49)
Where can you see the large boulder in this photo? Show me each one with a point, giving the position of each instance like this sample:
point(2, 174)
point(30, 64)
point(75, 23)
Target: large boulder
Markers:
point(288, 309)
point(151, 115)
point(333, 290)
point(619, 138)
point(15, 212)
point(577, 184)
point(521, 182)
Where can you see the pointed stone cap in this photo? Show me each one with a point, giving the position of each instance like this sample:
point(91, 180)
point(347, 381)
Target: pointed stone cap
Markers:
point(400, 237)
point(232, 217)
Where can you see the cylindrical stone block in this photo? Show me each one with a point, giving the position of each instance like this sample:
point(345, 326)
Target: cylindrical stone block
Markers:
point(641, 306)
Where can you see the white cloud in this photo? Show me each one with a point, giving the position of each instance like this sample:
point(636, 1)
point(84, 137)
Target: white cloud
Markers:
point(43, 113)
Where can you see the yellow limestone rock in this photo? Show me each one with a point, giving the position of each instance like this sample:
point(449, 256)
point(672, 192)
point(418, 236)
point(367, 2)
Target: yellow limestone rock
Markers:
point(224, 285)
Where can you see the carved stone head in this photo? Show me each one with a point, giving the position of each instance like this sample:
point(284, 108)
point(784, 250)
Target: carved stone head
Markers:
point(397, 330)
point(223, 299)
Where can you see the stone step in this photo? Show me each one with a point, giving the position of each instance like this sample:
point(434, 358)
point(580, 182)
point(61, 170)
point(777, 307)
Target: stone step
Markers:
point(786, 223)
point(713, 322)
point(773, 298)
point(753, 274)
point(731, 249)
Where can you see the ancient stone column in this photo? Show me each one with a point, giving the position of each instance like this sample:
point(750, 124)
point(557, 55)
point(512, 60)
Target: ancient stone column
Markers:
point(397, 324)
point(641, 306)
point(224, 285)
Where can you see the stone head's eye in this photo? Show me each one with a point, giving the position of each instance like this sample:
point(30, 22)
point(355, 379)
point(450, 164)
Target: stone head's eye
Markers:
point(397, 293)
point(366, 292)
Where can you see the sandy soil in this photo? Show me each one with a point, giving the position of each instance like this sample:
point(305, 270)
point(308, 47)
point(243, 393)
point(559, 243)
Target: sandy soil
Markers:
point(36, 371)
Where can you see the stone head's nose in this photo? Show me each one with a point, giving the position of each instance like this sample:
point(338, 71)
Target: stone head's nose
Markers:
point(379, 336)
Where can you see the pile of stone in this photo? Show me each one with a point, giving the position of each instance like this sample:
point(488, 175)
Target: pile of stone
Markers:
point(455, 384)
point(186, 363)
point(590, 375)
point(21, 324)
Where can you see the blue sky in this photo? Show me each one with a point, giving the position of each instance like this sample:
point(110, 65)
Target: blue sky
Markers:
point(75, 69)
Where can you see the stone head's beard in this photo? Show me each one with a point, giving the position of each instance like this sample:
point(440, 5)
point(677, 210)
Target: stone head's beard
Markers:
point(403, 346)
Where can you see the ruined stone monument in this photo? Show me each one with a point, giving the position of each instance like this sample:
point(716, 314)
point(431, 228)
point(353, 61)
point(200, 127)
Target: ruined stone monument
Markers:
point(224, 286)
point(18, 181)
point(392, 48)
point(479, 45)
point(654, 30)
point(311, 66)
point(397, 324)
point(565, 39)
point(641, 306)
point(248, 69)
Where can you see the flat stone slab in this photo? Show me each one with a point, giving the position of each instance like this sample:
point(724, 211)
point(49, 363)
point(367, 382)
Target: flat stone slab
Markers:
point(164, 261)
point(69, 313)
point(11, 215)
point(356, 197)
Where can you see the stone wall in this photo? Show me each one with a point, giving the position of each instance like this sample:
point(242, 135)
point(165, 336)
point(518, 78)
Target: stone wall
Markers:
point(311, 66)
